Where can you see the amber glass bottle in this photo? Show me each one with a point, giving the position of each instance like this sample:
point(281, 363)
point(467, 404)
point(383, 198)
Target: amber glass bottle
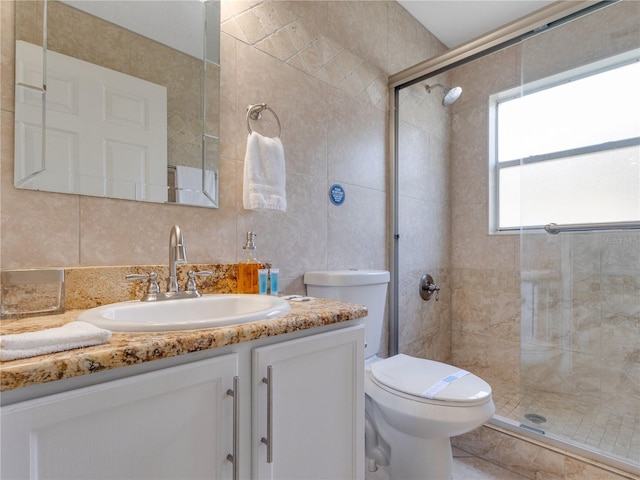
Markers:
point(248, 267)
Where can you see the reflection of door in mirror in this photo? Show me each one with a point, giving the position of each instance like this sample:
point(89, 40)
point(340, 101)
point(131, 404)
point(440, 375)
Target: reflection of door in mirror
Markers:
point(114, 122)
point(124, 81)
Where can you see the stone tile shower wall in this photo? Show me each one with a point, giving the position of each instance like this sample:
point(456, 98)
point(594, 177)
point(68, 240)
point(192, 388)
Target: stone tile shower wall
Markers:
point(423, 204)
point(577, 295)
point(581, 318)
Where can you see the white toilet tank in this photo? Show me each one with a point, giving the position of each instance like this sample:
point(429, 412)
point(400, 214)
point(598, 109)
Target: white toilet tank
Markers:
point(366, 287)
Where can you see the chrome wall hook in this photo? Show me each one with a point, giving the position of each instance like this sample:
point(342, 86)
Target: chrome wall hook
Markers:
point(428, 287)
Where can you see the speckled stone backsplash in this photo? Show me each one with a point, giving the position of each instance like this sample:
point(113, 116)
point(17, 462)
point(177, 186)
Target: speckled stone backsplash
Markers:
point(88, 287)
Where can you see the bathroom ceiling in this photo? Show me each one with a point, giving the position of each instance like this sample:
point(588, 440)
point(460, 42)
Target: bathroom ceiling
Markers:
point(455, 22)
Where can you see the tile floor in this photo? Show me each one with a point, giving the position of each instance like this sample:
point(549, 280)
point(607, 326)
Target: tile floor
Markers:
point(465, 467)
point(468, 467)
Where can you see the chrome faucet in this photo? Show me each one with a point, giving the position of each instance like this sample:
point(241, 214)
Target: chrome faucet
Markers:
point(177, 256)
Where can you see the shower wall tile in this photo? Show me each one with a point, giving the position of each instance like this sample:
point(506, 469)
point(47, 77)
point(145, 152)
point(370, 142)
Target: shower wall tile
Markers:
point(413, 163)
point(425, 111)
point(425, 330)
point(435, 346)
point(496, 314)
point(620, 35)
point(572, 325)
point(620, 253)
point(424, 246)
point(473, 247)
point(470, 124)
point(485, 76)
point(543, 253)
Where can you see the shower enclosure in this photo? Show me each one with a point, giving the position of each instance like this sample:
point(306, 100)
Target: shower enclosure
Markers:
point(551, 321)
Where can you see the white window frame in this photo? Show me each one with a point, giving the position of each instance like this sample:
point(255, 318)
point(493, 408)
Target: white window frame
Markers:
point(522, 90)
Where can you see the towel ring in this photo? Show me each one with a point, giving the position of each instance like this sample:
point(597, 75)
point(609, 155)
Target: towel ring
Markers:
point(254, 112)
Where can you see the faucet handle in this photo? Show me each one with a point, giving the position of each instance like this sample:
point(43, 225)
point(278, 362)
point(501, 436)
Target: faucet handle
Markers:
point(153, 288)
point(192, 285)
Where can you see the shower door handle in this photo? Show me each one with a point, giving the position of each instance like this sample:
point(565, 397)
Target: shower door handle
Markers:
point(268, 440)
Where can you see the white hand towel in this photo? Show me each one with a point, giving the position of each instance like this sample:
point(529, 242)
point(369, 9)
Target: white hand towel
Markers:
point(69, 336)
point(264, 174)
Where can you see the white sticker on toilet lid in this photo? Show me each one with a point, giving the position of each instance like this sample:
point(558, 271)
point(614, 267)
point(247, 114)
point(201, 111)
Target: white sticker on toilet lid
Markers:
point(433, 390)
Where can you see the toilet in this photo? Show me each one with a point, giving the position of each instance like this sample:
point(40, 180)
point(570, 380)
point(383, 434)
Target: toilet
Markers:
point(413, 406)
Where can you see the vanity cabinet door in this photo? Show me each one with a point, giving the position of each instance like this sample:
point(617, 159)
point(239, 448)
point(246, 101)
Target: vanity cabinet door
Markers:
point(308, 423)
point(174, 423)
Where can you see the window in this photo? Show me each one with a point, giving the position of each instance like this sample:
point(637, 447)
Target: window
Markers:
point(567, 149)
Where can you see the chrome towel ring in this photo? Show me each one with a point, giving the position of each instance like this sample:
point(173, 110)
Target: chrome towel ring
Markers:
point(254, 112)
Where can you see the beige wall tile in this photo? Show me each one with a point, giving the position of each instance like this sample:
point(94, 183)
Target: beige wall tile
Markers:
point(575, 288)
point(7, 53)
point(363, 27)
point(408, 42)
point(314, 115)
point(356, 143)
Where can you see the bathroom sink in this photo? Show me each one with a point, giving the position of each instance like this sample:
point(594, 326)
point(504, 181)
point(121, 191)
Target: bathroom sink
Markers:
point(186, 314)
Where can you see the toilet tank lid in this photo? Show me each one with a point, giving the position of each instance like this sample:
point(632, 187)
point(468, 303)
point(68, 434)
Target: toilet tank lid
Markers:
point(338, 278)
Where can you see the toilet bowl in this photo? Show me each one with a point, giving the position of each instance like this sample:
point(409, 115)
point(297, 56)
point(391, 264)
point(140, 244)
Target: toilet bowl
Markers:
point(414, 431)
point(412, 405)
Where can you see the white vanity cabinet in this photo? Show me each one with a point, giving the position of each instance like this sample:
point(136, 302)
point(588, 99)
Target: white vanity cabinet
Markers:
point(308, 408)
point(174, 423)
point(198, 413)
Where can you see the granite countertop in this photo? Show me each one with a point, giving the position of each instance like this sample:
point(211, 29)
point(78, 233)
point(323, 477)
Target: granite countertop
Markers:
point(129, 348)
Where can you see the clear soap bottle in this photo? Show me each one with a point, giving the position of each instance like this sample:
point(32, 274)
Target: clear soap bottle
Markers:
point(248, 267)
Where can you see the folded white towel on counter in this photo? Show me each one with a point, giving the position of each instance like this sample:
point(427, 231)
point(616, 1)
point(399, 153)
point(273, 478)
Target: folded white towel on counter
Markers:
point(69, 336)
point(264, 174)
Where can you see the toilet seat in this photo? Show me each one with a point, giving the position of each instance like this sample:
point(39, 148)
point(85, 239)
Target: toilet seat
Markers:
point(412, 377)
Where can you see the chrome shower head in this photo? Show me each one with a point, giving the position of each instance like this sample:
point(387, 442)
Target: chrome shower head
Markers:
point(451, 94)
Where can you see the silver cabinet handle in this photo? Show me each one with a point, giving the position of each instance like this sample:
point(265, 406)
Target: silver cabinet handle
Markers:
point(234, 457)
point(269, 440)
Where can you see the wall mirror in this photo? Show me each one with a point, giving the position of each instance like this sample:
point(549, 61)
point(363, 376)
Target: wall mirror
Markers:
point(119, 99)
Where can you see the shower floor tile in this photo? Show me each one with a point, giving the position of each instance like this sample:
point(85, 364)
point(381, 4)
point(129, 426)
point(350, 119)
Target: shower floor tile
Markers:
point(600, 427)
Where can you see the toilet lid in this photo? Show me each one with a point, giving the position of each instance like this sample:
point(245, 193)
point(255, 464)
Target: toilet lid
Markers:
point(428, 379)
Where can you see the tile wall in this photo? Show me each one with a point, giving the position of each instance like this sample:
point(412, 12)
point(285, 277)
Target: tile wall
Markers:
point(577, 296)
point(423, 223)
point(487, 268)
point(322, 66)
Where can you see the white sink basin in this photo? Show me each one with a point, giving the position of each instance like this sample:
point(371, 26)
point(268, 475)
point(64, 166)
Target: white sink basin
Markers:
point(185, 314)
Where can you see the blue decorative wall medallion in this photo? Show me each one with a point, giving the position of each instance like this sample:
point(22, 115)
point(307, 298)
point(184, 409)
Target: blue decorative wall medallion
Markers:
point(336, 194)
